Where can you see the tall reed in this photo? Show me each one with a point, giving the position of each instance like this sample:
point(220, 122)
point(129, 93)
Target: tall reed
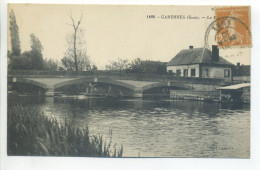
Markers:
point(30, 132)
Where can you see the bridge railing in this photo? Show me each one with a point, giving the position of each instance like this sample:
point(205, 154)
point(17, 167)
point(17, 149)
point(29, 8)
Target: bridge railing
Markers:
point(113, 74)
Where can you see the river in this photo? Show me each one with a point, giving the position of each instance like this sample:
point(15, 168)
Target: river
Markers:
point(155, 128)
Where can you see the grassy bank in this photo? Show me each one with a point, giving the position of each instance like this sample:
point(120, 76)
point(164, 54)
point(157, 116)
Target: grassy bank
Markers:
point(30, 132)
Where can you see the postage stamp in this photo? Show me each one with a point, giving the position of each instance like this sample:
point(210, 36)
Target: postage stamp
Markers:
point(233, 26)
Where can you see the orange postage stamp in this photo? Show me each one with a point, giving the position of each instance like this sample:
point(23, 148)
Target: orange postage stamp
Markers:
point(233, 26)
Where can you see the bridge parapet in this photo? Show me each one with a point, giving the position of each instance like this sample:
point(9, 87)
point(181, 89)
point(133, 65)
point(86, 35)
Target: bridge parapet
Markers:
point(113, 75)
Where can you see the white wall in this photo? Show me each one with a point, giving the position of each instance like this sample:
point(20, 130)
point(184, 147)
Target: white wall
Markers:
point(182, 67)
point(241, 78)
point(216, 72)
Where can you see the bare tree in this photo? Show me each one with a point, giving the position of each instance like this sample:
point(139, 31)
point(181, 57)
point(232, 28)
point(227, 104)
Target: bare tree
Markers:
point(83, 60)
point(75, 26)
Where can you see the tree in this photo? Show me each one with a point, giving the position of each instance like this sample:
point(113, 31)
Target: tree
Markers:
point(50, 64)
point(82, 59)
point(75, 26)
point(147, 66)
point(119, 65)
point(22, 62)
point(29, 60)
point(36, 53)
point(136, 66)
point(14, 35)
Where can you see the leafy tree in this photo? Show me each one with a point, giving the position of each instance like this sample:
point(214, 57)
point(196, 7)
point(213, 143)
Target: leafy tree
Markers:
point(36, 53)
point(147, 66)
point(136, 66)
point(119, 65)
point(50, 64)
point(14, 35)
point(68, 63)
point(22, 62)
point(36, 44)
point(29, 60)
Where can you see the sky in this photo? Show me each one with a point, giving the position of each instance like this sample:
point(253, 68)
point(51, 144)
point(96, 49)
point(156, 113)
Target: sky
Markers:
point(116, 31)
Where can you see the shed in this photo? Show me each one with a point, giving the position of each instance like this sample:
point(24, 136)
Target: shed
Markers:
point(237, 92)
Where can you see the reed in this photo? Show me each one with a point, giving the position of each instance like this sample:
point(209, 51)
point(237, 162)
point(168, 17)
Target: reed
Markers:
point(31, 133)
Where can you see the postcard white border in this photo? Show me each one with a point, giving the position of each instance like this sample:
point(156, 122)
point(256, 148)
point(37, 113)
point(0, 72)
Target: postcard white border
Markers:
point(68, 163)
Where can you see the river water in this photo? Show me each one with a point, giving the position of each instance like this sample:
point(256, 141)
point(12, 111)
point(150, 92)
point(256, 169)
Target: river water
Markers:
point(155, 128)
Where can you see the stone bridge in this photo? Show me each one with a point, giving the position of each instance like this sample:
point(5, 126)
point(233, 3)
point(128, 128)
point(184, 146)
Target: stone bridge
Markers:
point(51, 84)
point(138, 83)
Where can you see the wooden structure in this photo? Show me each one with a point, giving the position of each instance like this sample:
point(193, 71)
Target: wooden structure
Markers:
point(235, 93)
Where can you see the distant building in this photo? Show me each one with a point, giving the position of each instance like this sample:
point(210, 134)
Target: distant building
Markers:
point(201, 63)
point(241, 73)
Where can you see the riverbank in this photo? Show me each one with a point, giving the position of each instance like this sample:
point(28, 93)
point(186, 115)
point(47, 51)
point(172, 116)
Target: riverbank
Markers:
point(31, 133)
point(211, 96)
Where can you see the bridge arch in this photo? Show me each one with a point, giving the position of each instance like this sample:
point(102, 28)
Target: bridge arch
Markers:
point(94, 80)
point(29, 82)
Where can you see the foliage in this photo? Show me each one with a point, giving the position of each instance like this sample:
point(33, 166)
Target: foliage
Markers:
point(94, 68)
point(83, 61)
point(138, 66)
point(36, 53)
point(119, 65)
point(30, 132)
point(36, 43)
point(22, 62)
point(29, 60)
point(50, 64)
point(14, 35)
point(147, 66)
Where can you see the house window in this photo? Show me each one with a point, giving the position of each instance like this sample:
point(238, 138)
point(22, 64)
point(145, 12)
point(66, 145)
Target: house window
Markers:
point(193, 72)
point(178, 72)
point(207, 72)
point(185, 73)
point(170, 71)
point(227, 73)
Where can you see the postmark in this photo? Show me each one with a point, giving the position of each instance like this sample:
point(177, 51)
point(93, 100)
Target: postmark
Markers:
point(231, 27)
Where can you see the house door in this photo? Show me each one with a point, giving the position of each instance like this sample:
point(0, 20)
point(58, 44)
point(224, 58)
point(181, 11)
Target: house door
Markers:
point(185, 73)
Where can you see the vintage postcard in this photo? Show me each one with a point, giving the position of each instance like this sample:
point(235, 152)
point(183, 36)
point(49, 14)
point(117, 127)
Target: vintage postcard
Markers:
point(129, 81)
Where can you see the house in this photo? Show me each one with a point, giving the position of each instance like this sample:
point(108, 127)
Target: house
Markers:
point(200, 63)
point(241, 73)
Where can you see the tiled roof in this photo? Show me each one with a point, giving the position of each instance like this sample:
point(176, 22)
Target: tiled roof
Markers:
point(196, 56)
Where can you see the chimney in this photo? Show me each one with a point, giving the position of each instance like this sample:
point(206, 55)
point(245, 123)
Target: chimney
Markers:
point(215, 53)
point(190, 47)
point(238, 64)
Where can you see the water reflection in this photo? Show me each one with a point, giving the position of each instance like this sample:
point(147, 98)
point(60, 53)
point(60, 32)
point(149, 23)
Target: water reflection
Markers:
point(156, 128)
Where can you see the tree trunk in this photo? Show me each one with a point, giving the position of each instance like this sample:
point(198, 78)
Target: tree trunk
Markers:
point(75, 51)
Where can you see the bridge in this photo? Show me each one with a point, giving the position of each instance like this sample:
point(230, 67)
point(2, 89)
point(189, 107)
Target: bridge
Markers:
point(51, 82)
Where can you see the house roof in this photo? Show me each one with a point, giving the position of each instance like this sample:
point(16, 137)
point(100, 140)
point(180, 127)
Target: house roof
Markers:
point(196, 56)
